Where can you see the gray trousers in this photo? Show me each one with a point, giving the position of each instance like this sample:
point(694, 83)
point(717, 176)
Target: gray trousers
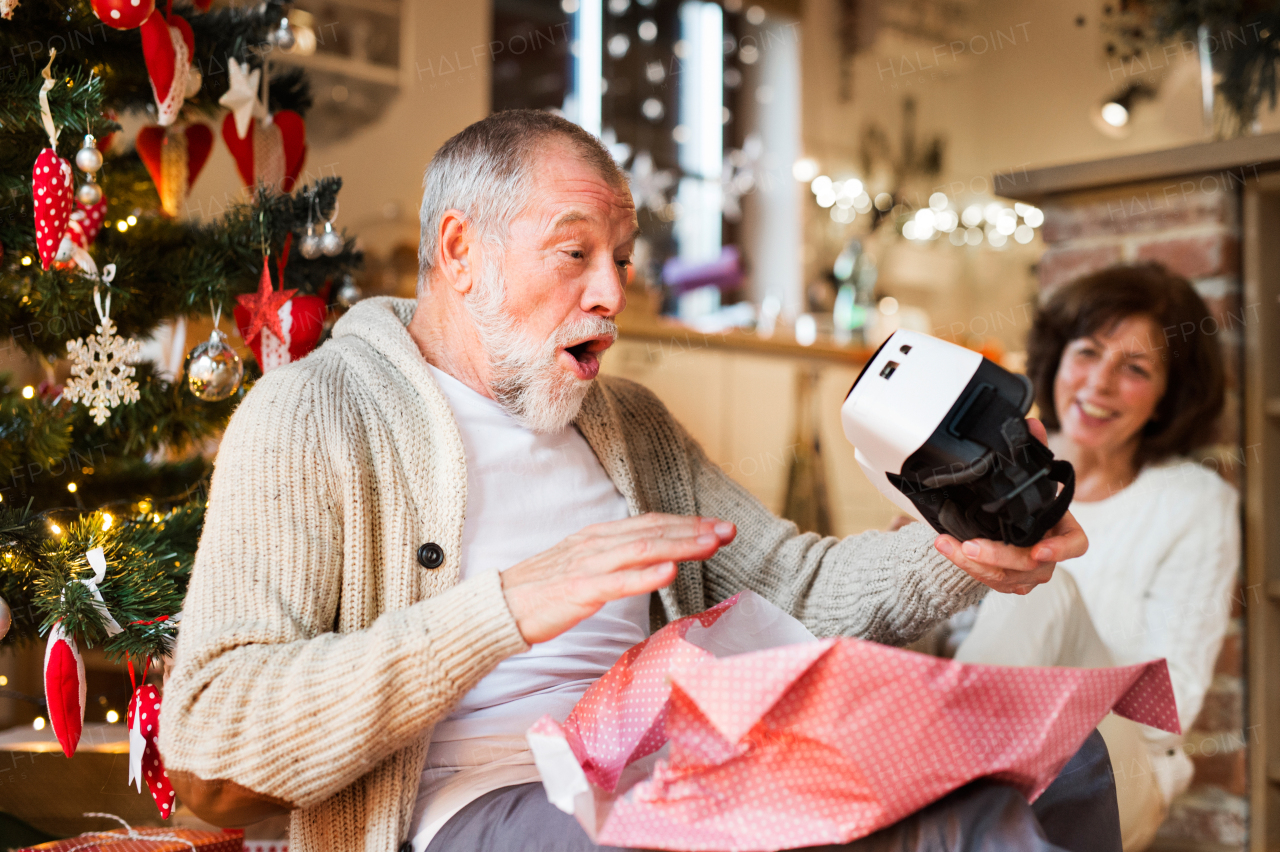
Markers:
point(1076, 814)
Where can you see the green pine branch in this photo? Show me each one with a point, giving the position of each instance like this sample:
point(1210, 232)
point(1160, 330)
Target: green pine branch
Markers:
point(136, 484)
point(166, 268)
point(71, 27)
point(48, 443)
point(75, 102)
point(1246, 40)
point(148, 555)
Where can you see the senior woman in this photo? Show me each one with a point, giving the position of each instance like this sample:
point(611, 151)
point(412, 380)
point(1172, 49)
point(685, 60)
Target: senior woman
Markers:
point(1129, 381)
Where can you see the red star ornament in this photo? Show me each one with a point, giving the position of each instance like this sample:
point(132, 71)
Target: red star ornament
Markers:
point(263, 307)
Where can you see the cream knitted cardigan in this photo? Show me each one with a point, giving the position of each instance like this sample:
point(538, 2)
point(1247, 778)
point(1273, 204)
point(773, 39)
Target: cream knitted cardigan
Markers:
point(316, 652)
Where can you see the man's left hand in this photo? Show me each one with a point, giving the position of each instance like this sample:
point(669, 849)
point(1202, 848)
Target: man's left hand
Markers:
point(1016, 570)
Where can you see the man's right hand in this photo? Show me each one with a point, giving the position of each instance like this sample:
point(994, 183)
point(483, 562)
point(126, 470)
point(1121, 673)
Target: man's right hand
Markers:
point(553, 591)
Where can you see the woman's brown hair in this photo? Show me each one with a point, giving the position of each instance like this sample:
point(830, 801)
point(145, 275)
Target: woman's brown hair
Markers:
point(1186, 415)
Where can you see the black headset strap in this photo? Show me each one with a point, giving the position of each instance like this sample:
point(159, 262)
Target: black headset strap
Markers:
point(1059, 471)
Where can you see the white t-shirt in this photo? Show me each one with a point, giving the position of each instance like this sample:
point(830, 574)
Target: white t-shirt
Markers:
point(525, 494)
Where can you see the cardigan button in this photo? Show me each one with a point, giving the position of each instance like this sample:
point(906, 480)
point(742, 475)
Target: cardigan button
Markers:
point(431, 555)
point(406, 846)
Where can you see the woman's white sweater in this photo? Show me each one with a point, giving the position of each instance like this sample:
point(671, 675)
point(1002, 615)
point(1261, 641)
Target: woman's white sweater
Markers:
point(1156, 582)
point(1159, 576)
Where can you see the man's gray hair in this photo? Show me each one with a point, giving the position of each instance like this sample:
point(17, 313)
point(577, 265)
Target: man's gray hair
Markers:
point(486, 171)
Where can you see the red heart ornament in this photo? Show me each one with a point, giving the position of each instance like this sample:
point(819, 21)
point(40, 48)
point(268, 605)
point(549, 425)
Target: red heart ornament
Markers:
point(241, 149)
point(51, 191)
point(302, 320)
point(82, 230)
point(64, 688)
point(167, 47)
point(123, 14)
point(271, 152)
point(293, 132)
point(174, 157)
point(90, 219)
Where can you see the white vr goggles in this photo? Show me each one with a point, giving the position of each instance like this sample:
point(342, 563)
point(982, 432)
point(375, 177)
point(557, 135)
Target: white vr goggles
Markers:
point(941, 432)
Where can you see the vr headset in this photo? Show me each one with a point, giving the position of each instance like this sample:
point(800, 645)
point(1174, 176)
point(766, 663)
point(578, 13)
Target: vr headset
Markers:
point(940, 430)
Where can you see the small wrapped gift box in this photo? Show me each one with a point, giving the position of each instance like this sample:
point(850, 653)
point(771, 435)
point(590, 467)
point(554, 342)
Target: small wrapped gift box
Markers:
point(129, 839)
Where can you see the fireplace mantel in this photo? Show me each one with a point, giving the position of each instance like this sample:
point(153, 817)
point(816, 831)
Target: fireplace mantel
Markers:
point(1250, 153)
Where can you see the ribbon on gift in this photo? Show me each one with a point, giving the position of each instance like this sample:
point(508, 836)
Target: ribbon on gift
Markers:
point(101, 838)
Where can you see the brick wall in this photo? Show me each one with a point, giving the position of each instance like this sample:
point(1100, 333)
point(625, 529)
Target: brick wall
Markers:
point(1192, 226)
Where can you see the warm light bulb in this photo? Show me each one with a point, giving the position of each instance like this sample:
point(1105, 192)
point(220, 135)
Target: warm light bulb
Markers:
point(122, 226)
point(26, 260)
point(38, 724)
point(28, 392)
point(1115, 114)
point(106, 520)
point(57, 530)
point(132, 220)
point(71, 486)
point(4, 681)
point(112, 717)
point(804, 169)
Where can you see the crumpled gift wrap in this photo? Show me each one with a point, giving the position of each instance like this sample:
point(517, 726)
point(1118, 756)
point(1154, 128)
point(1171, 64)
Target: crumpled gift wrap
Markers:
point(730, 730)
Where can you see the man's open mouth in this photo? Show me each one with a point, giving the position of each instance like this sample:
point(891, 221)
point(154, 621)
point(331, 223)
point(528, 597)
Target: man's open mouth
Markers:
point(583, 358)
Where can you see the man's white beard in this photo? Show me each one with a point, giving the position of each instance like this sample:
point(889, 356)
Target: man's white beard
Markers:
point(525, 377)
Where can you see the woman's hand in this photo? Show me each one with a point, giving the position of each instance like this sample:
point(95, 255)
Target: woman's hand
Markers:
point(1017, 570)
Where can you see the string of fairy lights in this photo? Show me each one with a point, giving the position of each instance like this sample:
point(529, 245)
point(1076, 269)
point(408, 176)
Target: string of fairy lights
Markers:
point(989, 221)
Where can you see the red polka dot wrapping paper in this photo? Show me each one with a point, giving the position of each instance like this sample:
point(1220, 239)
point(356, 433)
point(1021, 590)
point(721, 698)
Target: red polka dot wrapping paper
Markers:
point(813, 742)
point(118, 840)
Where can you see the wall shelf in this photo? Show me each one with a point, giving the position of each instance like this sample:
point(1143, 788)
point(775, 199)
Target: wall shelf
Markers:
point(1250, 154)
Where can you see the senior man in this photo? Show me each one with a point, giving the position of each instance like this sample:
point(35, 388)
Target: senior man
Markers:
point(443, 524)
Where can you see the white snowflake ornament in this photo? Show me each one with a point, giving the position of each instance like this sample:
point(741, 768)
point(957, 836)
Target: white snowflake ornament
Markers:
point(649, 186)
point(100, 369)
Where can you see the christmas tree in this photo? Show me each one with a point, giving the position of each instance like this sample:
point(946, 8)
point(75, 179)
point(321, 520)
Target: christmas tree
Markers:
point(106, 469)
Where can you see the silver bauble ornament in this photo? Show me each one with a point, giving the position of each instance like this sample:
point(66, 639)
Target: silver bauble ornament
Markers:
point(214, 370)
point(331, 241)
point(6, 617)
point(349, 293)
point(310, 245)
point(89, 194)
point(89, 158)
point(283, 35)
